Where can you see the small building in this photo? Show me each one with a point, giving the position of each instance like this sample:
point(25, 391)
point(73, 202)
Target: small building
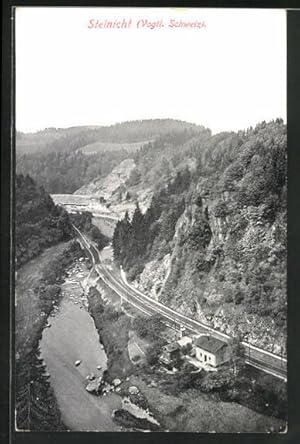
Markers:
point(171, 353)
point(211, 351)
point(184, 341)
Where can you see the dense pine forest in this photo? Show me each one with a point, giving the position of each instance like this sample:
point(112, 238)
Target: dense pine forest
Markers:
point(39, 222)
point(68, 171)
point(137, 240)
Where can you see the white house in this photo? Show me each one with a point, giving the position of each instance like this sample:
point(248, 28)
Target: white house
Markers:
point(211, 351)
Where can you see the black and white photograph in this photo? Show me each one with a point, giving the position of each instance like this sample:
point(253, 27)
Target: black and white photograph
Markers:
point(150, 220)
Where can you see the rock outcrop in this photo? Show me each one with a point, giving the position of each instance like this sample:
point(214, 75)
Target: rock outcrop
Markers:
point(112, 185)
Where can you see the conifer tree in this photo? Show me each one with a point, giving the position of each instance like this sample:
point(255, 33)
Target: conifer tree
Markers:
point(137, 237)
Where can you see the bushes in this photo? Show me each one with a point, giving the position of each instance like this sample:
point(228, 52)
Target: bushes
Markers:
point(135, 271)
point(96, 235)
point(83, 221)
point(221, 209)
point(264, 393)
point(200, 234)
point(149, 327)
point(216, 381)
point(182, 381)
point(152, 354)
point(113, 327)
point(201, 263)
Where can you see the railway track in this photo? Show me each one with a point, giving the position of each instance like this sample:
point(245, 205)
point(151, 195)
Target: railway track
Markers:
point(254, 356)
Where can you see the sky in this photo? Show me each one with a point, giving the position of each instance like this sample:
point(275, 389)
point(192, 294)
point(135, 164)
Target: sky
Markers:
point(227, 75)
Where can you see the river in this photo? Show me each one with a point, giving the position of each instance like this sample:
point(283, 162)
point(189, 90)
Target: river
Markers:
point(72, 336)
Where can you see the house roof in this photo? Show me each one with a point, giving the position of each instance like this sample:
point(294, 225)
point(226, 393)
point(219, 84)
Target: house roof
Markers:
point(210, 344)
point(173, 346)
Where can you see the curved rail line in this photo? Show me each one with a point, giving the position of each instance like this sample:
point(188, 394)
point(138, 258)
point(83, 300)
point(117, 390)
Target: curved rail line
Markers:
point(259, 358)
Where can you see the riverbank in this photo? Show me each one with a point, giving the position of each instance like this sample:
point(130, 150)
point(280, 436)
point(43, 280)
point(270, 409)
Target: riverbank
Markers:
point(37, 295)
point(171, 399)
point(114, 340)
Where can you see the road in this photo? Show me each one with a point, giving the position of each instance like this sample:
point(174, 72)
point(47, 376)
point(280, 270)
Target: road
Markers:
point(254, 356)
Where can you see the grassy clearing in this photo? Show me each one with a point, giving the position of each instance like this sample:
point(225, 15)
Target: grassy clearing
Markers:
point(99, 147)
point(137, 348)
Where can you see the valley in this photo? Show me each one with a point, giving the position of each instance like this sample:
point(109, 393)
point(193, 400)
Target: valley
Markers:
point(188, 232)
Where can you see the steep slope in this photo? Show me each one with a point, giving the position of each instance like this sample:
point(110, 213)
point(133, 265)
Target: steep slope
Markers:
point(39, 223)
point(212, 244)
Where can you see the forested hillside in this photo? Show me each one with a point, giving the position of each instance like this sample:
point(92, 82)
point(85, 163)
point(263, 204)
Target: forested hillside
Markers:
point(64, 171)
point(63, 160)
point(58, 139)
point(213, 241)
point(39, 223)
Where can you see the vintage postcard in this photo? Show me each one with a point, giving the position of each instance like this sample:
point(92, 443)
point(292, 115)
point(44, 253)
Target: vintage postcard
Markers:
point(150, 231)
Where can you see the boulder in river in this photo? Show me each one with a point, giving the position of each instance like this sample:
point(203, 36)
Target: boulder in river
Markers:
point(95, 386)
point(133, 390)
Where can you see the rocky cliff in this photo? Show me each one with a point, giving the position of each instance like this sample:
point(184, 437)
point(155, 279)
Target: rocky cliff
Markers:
point(221, 258)
point(213, 286)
